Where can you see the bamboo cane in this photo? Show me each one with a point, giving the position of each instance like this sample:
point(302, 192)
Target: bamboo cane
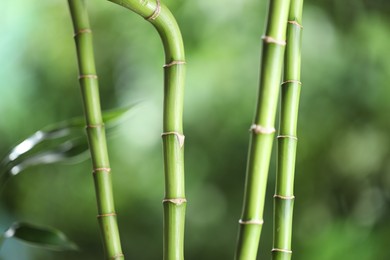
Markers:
point(95, 130)
point(173, 139)
point(262, 131)
point(287, 139)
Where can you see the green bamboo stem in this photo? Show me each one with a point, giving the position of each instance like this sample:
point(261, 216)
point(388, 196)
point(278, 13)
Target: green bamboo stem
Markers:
point(262, 131)
point(173, 139)
point(95, 130)
point(287, 139)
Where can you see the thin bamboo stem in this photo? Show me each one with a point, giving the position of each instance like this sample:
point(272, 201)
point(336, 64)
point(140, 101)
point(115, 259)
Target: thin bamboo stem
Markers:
point(262, 131)
point(95, 130)
point(287, 139)
point(173, 139)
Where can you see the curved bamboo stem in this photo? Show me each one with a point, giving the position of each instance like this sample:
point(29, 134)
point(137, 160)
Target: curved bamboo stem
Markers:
point(287, 139)
point(262, 131)
point(173, 139)
point(95, 130)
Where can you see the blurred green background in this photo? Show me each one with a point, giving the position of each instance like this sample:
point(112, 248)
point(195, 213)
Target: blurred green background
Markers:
point(343, 168)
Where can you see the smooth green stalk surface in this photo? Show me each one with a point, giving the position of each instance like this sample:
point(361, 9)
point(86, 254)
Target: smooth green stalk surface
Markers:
point(173, 139)
point(95, 130)
point(260, 146)
point(287, 139)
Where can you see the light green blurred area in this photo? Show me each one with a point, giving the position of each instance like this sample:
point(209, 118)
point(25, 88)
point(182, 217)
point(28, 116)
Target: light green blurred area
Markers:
point(343, 170)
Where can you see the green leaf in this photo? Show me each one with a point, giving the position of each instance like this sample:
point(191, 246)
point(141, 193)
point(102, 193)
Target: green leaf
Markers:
point(110, 118)
point(45, 237)
point(71, 151)
point(61, 142)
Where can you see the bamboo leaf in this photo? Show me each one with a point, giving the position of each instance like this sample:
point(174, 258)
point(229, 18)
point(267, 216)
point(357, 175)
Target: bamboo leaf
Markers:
point(110, 117)
point(70, 151)
point(45, 237)
point(60, 142)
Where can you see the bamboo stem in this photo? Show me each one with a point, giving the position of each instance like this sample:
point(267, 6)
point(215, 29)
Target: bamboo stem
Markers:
point(95, 130)
point(287, 139)
point(262, 131)
point(173, 139)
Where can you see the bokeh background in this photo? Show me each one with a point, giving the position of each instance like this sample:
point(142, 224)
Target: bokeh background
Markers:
point(343, 168)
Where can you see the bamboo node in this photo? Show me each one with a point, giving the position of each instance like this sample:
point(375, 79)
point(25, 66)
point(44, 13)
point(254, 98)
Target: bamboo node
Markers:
point(175, 62)
point(180, 137)
point(296, 23)
point(269, 39)
point(106, 215)
point(103, 169)
point(284, 197)
point(177, 201)
point(88, 76)
point(292, 81)
point(117, 256)
point(288, 136)
point(81, 31)
point(281, 250)
point(156, 12)
point(251, 222)
point(258, 129)
point(95, 126)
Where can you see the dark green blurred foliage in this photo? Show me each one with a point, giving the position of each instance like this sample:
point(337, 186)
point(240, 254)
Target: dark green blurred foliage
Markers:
point(45, 237)
point(343, 171)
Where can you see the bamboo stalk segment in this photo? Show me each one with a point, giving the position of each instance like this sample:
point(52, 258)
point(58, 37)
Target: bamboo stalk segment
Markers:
point(287, 139)
point(95, 130)
point(174, 202)
point(260, 145)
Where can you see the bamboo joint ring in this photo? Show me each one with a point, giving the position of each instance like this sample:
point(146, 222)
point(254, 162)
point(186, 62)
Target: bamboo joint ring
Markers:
point(156, 12)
